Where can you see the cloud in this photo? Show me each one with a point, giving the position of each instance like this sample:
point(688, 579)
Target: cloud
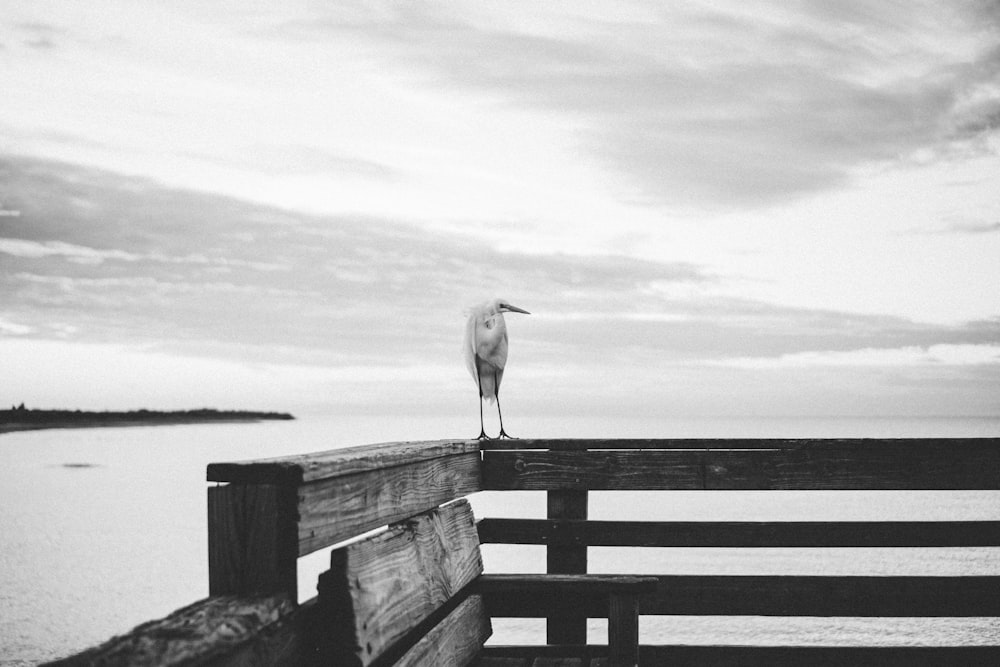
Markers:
point(74, 253)
point(933, 355)
point(974, 228)
point(14, 329)
point(715, 106)
point(98, 257)
point(39, 35)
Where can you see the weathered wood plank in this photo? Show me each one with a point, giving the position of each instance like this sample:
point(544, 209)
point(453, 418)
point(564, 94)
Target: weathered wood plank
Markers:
point(776, 656)
point(725, 595)
point(579, 444)
point(455, 641)
point(567, 627)
point(252, 540)
point(304, 468)
point(209, 632)
point(820, 468)
point(821, 656)
point(378, 589)
point(741, 533)
point(336, 509)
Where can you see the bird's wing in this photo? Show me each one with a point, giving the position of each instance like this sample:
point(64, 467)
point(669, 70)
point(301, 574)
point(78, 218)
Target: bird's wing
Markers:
point(491, 345)
point(469, 350)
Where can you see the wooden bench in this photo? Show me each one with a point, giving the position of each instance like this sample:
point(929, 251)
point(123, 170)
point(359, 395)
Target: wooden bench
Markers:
point(414, 592)
point(413, 595)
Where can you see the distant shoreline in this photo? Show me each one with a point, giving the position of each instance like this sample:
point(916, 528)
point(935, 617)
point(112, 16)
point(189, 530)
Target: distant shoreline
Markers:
point(33, 420)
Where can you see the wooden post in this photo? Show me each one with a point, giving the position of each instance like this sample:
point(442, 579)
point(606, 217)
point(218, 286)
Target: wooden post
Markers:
point(252, 539)
point(567, 628)
point(623, 630)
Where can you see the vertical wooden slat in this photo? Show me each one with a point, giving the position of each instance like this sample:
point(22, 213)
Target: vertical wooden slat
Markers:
point(623, 630)
point(252, 539)
point(567, 628)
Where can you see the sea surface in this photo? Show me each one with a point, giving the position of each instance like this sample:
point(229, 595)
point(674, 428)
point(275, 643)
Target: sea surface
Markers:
point(102, 529)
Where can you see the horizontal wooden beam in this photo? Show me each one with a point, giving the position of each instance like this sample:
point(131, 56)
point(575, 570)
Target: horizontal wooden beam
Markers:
point(574, 585)
point(581, 444)
point(741, 533)
point(336, 509)
point(723, 595)
point(756, 656)
point(903, 596)
point(305, 468)
point(922, 467)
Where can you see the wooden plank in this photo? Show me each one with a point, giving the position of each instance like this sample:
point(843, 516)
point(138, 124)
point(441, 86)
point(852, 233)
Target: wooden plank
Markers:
point(580, 444)
point(304, 468)
point(549, 595)
point(821, 656)
point(566, 627)
point(554, 586)
point(252, 540)
point(379, 589)
point(455, 641)
point(209, 631)
point(724, 595)
point(853, 469)
point(586, 654)
point(777, 656)
point(904, 596)
point(741, 533)
point(491, 661)
point(336, 509)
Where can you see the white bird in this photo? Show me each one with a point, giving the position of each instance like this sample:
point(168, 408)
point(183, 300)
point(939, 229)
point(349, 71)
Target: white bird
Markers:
point(486, 352)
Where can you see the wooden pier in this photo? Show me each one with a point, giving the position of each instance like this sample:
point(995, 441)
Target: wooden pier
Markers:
point(406, 584)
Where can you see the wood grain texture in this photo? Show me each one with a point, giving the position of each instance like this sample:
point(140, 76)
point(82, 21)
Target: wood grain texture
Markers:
point(252, 540)
point(454, 642)
point(304, 468)
point(380, 588)
point(336, 509)
point(208, 632)
point(741, 533)
point(820, 468)
point(580, 444)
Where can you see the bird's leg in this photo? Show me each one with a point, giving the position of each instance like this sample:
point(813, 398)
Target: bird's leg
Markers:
point(482, 428)
point(503, 433)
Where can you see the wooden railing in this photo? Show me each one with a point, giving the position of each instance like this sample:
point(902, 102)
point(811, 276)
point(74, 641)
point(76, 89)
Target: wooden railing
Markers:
point(265, 514)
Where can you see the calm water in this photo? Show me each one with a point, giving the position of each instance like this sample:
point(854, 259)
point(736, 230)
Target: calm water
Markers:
point(102, 529)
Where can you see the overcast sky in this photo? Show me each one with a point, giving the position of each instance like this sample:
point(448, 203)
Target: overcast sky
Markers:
point(785, 208)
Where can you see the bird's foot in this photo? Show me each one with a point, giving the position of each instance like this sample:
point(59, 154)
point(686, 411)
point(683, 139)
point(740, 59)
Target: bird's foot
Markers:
point(503, 436)
point(483, 436)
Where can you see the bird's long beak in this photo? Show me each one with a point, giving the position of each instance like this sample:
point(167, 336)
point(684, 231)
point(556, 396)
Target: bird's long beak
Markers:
point(515, 309)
